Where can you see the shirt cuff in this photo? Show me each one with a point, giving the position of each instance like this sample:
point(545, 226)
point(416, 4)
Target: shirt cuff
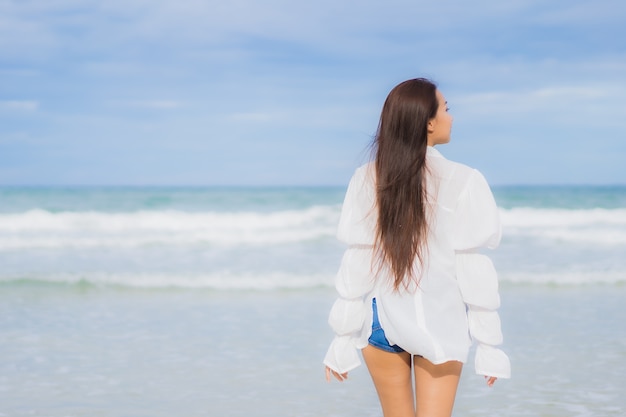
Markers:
point(491, 361)
point(342, 355)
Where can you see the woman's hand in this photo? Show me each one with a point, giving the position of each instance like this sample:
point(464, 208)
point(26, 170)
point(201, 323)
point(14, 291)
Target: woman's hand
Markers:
point(490, 380)
point(339, 377)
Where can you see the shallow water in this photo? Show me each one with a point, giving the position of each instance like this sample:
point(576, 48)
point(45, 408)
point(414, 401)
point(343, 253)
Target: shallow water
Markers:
point(84, 350)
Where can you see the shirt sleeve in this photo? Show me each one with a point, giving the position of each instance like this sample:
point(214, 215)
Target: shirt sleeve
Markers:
point(357, 223)
point(354, 280)
point(476, 226)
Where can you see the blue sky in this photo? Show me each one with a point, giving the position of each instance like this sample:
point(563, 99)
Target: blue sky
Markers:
point(149, 92)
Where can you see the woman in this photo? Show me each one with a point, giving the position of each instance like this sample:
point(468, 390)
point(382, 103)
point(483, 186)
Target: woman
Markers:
point(414, 291)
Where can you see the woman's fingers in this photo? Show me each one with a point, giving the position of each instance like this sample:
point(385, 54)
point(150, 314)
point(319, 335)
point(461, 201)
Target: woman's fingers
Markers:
point(490, 380)
point(337, 375)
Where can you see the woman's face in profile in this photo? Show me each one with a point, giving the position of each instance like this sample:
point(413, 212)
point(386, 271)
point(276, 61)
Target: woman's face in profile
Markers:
point(440, 126)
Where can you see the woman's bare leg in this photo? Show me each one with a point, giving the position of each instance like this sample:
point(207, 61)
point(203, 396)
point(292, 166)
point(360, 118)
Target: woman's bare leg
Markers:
point(435, 387)
point(391, 373)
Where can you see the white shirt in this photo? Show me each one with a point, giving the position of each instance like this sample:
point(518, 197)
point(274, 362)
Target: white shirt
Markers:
point(457, 296)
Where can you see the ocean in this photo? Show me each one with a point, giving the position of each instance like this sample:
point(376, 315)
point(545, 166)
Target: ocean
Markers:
point(190, 301)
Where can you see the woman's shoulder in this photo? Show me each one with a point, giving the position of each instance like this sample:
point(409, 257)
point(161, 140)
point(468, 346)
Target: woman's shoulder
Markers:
point(457, 181)
point(364, 173)
point(448, 168)
point(365, 168)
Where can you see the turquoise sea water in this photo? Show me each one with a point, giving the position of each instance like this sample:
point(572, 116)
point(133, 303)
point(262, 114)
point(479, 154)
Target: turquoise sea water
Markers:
point(276, 237)
point(213, 301)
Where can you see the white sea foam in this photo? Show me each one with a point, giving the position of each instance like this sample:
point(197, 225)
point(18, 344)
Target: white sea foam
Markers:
point(593, 226)
point(532, 217)
point(217, 281)
point(43, 229)
point(278, 249)
point(281, 280)
point(566, 278)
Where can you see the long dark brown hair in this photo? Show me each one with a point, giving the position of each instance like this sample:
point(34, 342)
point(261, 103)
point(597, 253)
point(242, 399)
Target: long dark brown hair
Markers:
point(400, 159)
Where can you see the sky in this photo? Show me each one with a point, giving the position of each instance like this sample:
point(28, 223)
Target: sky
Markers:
point(283, 92)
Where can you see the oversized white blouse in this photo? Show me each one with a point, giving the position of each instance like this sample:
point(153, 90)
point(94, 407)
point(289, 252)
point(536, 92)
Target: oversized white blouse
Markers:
point(457, 296)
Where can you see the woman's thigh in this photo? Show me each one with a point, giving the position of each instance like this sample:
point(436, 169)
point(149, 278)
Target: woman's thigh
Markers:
point(391, 373)
point(435, 387)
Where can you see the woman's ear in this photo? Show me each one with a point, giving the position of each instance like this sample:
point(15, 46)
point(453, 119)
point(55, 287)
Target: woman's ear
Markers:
point(431, 126)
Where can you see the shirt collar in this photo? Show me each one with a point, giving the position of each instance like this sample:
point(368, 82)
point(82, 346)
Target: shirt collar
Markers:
point(431, 151)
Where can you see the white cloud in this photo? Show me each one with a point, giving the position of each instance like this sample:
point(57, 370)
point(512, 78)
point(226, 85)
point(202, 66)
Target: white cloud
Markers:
point(256, 117)
point(10, 138)
point(115, 68)
point(19, 72)
point(583, 13)
point(281, 70)
point(19, 105)
point(328, 24)
point(537, 98)
point(570, 93)
point(567, 106)
point(312, 115)
point(149, 104)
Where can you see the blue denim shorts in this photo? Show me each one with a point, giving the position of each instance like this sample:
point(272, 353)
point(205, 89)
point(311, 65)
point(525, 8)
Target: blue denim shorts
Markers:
point(378, 339)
